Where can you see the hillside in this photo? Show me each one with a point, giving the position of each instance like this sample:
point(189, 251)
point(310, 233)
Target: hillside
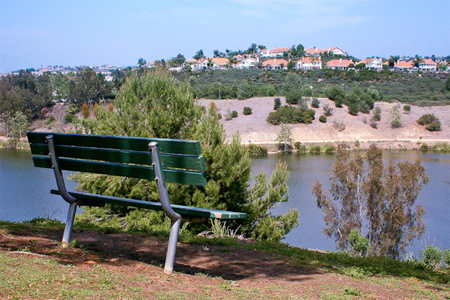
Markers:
point(254, 128)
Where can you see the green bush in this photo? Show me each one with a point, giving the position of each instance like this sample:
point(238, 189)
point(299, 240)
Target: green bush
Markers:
point(353, 109)
point(359, 244)
point(377, 114)
point(407, 109)
point(327, 110)
point(323, 119)
point(291, 115)
point(234, 114)
point(247, 111)
point(427, 119)
point(294, 96)
point(435, 126)
point(50, 120)
point(432, 256)
point(277, 103)
point(256, 150)
point(446, 256)
point(297, 145)
point(69, 118)
point(315, 103)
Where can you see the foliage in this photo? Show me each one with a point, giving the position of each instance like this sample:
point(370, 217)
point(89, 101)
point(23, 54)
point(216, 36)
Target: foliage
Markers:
point(18, 125)
point(339, 125)
point(234, 114)
point(155, 104)
point(365, 191)
point(377, 114)
point(359, 245)
point(85, 111)
point(396, 119)
point(256, 150)
point(247, 111)
point(88, 87)
point(294, 96)
point(407, 109)
point(446, 258)
point(323, 119)
point(327, 110)
point(315, 103)
point(277, 103)
point(290, 115)
point(284, 138)
point(432, 256)
point(431, 121)
point(435, 126)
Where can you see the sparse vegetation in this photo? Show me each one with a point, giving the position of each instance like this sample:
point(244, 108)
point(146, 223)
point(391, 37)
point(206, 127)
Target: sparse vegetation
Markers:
point(323, 119)
point(256, 150)
point(339, 125)
point(290, 115)
point(430, 121)
point(247, 111)
point(277, 103)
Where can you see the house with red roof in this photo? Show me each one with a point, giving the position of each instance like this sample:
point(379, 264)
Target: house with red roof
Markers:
point(339, 64)
point(274, 52)
point(333, 50)
point(216, 63)
point(275, 64)
point(428, 65)
point(309, 63)
point(372, 63)
point(403, 65)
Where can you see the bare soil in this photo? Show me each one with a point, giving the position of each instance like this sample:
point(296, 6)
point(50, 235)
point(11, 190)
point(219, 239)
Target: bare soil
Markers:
point(254, 128)
point(211, 272)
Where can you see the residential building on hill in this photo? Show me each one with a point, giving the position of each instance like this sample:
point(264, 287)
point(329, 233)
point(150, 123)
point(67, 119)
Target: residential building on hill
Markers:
point(275, 64)
point(333, 50)
point(373, 63)
point(339, 64)
point(309, 63)
point(403, 65)
point(246, 63)
point(428, 65)
point(274, 52)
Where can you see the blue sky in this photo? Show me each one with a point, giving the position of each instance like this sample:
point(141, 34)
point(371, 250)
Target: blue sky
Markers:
point(119, 32)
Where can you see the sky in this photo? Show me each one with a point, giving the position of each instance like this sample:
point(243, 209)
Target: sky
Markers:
point(40, 33)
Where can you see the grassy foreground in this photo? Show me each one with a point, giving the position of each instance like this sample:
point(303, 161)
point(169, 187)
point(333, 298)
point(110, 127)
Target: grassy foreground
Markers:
point(33, 265)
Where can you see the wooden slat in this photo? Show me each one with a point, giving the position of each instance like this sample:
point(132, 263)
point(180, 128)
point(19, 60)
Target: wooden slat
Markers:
point(117, 142)
point(171, 175)
point(182, 210)
point(189, 162)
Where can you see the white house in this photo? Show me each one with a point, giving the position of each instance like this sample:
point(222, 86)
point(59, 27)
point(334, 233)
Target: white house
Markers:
point(428, 65)
point(403, 65)
point(275, 64)
point(309, 63)
point(246, 63)
point(339, 64)
point(372, 63)
point(274, 52)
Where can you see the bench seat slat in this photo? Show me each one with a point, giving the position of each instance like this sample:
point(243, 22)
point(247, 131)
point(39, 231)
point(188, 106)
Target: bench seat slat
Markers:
point(189, 162)
point(171, 175)
point(183, 210)
point(117, 142)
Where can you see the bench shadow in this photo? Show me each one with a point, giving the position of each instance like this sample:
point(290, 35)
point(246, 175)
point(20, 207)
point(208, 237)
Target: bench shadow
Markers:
point(229, 263)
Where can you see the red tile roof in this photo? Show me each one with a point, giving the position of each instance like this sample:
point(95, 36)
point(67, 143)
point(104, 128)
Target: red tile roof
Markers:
point(428, 62)
point(404, 64)
point(275, 62)
point(339, 63)
point(220, 61)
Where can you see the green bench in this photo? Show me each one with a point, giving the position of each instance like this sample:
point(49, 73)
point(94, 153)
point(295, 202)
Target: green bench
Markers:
point(163, 160)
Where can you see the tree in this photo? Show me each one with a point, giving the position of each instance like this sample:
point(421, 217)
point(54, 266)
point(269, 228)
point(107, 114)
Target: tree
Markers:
point(376, 200)
point(447, 84)
point(199, 54)
point(156, 105)
point(285, 138)
point(18, 125)
point(417, 61)
point(141, 62)
point(396, 118)
point(88, 87)
point(252, 49)
point(393, 60)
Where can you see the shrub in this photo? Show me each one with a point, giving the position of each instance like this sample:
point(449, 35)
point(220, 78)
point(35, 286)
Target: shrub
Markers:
point(50, 120)
point(377, 114)
point(432, 256)
point(297, 145)
point(234, 114)
point(339, 125)
point(435, 126)
point(407, 109)
point(85, 111)
point(425, 147)
point(427, 119)
point(396, 121)
point(247, 111)
point(294, 96)
point(373, 123)
point(277, 103)
point(290, 115)
point(359, 245)
point(446, 258)
point(256, 150)
point(323, 119)
point(327, 110)
point(315, 103)
point(110, 107)
point(69, 118)
point(353, 109)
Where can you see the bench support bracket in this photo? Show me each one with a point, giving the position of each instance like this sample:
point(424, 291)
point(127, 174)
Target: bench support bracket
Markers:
point(69, 224)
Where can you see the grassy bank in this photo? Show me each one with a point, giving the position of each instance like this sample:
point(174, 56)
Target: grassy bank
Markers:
point(33, 265)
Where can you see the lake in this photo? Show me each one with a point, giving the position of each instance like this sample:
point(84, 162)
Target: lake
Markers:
point(24, 193)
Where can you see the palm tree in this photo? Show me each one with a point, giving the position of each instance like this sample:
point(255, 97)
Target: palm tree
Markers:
point(393, 60)
point(417, 61)
point(261, 48)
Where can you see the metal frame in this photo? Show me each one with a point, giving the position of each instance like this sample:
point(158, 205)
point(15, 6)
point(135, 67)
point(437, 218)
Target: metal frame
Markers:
point(165, 203)
point(63, 190)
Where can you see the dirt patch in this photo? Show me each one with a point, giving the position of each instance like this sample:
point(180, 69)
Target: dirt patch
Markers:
point(226, 272)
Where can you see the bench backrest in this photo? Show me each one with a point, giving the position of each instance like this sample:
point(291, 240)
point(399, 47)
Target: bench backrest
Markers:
point(121, 156)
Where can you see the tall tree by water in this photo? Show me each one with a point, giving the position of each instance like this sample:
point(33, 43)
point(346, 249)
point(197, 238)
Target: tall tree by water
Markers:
point(378, 201)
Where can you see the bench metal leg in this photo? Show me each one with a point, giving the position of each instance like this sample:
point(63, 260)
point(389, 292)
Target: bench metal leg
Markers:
point(69, 224)
point(172, 247)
